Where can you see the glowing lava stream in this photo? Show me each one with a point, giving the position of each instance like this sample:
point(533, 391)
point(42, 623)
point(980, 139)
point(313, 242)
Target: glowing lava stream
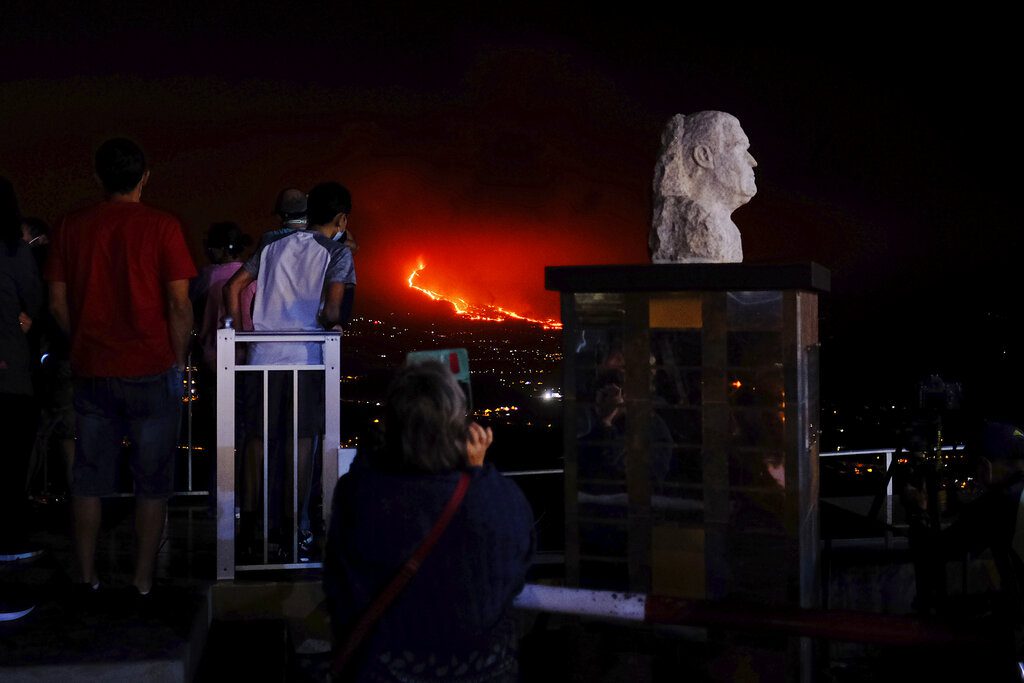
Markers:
point(487, 312)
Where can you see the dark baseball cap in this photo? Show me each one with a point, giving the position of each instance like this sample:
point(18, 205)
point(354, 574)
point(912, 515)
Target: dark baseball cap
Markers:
point(291, 205)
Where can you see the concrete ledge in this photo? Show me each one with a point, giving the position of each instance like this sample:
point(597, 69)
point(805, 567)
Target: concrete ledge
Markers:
point(110, 639)
point(300, 603)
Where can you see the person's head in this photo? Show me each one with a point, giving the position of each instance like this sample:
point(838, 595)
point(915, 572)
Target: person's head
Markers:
point(225, 242)
point(425, 421)
point(329, 205)
point(291, 208)
point(705, 157)
point(775, 467)
point(997, 449)
point(120, 166)
point(10, 215)
point(34, 231)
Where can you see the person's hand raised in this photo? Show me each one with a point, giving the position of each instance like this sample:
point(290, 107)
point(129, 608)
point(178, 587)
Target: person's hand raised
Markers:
point(478, 439)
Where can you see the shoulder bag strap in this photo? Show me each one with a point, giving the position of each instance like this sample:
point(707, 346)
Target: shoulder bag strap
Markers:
point(377, 608)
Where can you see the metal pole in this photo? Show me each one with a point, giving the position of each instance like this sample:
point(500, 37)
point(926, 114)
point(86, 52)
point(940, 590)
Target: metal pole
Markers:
point(225, 454)
point(188, 416)
point(43, 447)
point(332, 421)
point(266, 458)
point(295, 465)
point(888, 500)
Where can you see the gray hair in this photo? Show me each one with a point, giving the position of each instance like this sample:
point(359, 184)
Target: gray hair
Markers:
point(425, 420)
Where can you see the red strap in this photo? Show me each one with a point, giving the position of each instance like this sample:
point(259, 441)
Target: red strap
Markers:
point(408, 570)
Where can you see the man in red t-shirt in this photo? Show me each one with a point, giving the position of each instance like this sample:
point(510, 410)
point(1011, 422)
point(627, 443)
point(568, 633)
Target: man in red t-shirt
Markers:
point(118, 275)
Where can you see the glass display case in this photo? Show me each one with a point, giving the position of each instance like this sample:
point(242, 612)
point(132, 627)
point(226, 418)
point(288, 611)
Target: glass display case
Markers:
point(690, 394)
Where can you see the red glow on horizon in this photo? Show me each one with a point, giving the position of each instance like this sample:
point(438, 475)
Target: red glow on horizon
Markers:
point(485, 312)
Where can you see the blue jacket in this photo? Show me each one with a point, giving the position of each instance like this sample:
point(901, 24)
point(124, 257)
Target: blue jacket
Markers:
point(459, 600)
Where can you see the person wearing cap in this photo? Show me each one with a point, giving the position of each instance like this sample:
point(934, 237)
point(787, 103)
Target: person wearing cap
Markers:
point(302, 278)
point(291, 208)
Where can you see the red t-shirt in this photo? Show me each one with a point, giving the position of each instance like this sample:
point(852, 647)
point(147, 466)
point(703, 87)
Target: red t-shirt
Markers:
point(116, 258)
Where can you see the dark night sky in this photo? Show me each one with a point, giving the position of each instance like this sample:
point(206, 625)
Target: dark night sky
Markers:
point(494, 142)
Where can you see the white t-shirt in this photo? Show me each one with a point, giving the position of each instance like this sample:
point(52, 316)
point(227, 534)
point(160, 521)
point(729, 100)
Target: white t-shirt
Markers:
point(291, 268)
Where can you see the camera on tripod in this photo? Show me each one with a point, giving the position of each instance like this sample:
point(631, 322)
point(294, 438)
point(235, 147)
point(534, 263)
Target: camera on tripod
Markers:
point(935, 396)
point(928, 483)
point(938, 402)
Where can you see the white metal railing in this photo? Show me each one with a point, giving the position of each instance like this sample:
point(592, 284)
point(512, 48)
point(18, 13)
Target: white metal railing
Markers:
point(533, 473)
point(227, 339)
point(888, 453)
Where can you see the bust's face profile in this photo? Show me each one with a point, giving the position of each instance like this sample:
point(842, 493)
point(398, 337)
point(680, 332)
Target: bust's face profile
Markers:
point(704, 172)
point(733, 166)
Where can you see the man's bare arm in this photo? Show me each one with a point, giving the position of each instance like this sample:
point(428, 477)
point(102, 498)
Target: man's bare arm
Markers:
point(331, 315)
point(59, 305)
point(346, 304)
point(179, 319)
point(232, 294)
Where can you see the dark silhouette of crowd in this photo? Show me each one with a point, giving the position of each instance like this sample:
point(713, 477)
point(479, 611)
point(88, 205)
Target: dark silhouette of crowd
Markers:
point(101, 319)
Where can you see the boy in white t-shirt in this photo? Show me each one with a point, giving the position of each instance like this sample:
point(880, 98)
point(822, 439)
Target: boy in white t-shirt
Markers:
point(305, 280)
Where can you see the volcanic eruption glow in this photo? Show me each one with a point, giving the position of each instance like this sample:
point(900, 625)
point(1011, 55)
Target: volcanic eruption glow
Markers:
point(486, 312)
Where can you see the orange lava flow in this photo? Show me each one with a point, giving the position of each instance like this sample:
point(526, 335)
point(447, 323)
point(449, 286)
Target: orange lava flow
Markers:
point(487, 312)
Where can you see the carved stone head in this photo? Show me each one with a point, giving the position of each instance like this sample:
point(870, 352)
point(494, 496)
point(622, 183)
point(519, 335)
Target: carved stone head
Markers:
point(703, 174)
point(704, 157)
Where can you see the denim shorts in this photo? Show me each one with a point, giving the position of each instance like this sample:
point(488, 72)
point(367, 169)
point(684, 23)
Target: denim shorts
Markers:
point(146, 410)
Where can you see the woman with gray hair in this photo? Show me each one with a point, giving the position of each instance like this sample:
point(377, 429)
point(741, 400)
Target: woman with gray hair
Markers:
point(452, 621)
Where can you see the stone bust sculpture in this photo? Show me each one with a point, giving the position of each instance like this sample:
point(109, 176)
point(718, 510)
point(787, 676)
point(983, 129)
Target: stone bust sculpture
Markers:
point(703, 174)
